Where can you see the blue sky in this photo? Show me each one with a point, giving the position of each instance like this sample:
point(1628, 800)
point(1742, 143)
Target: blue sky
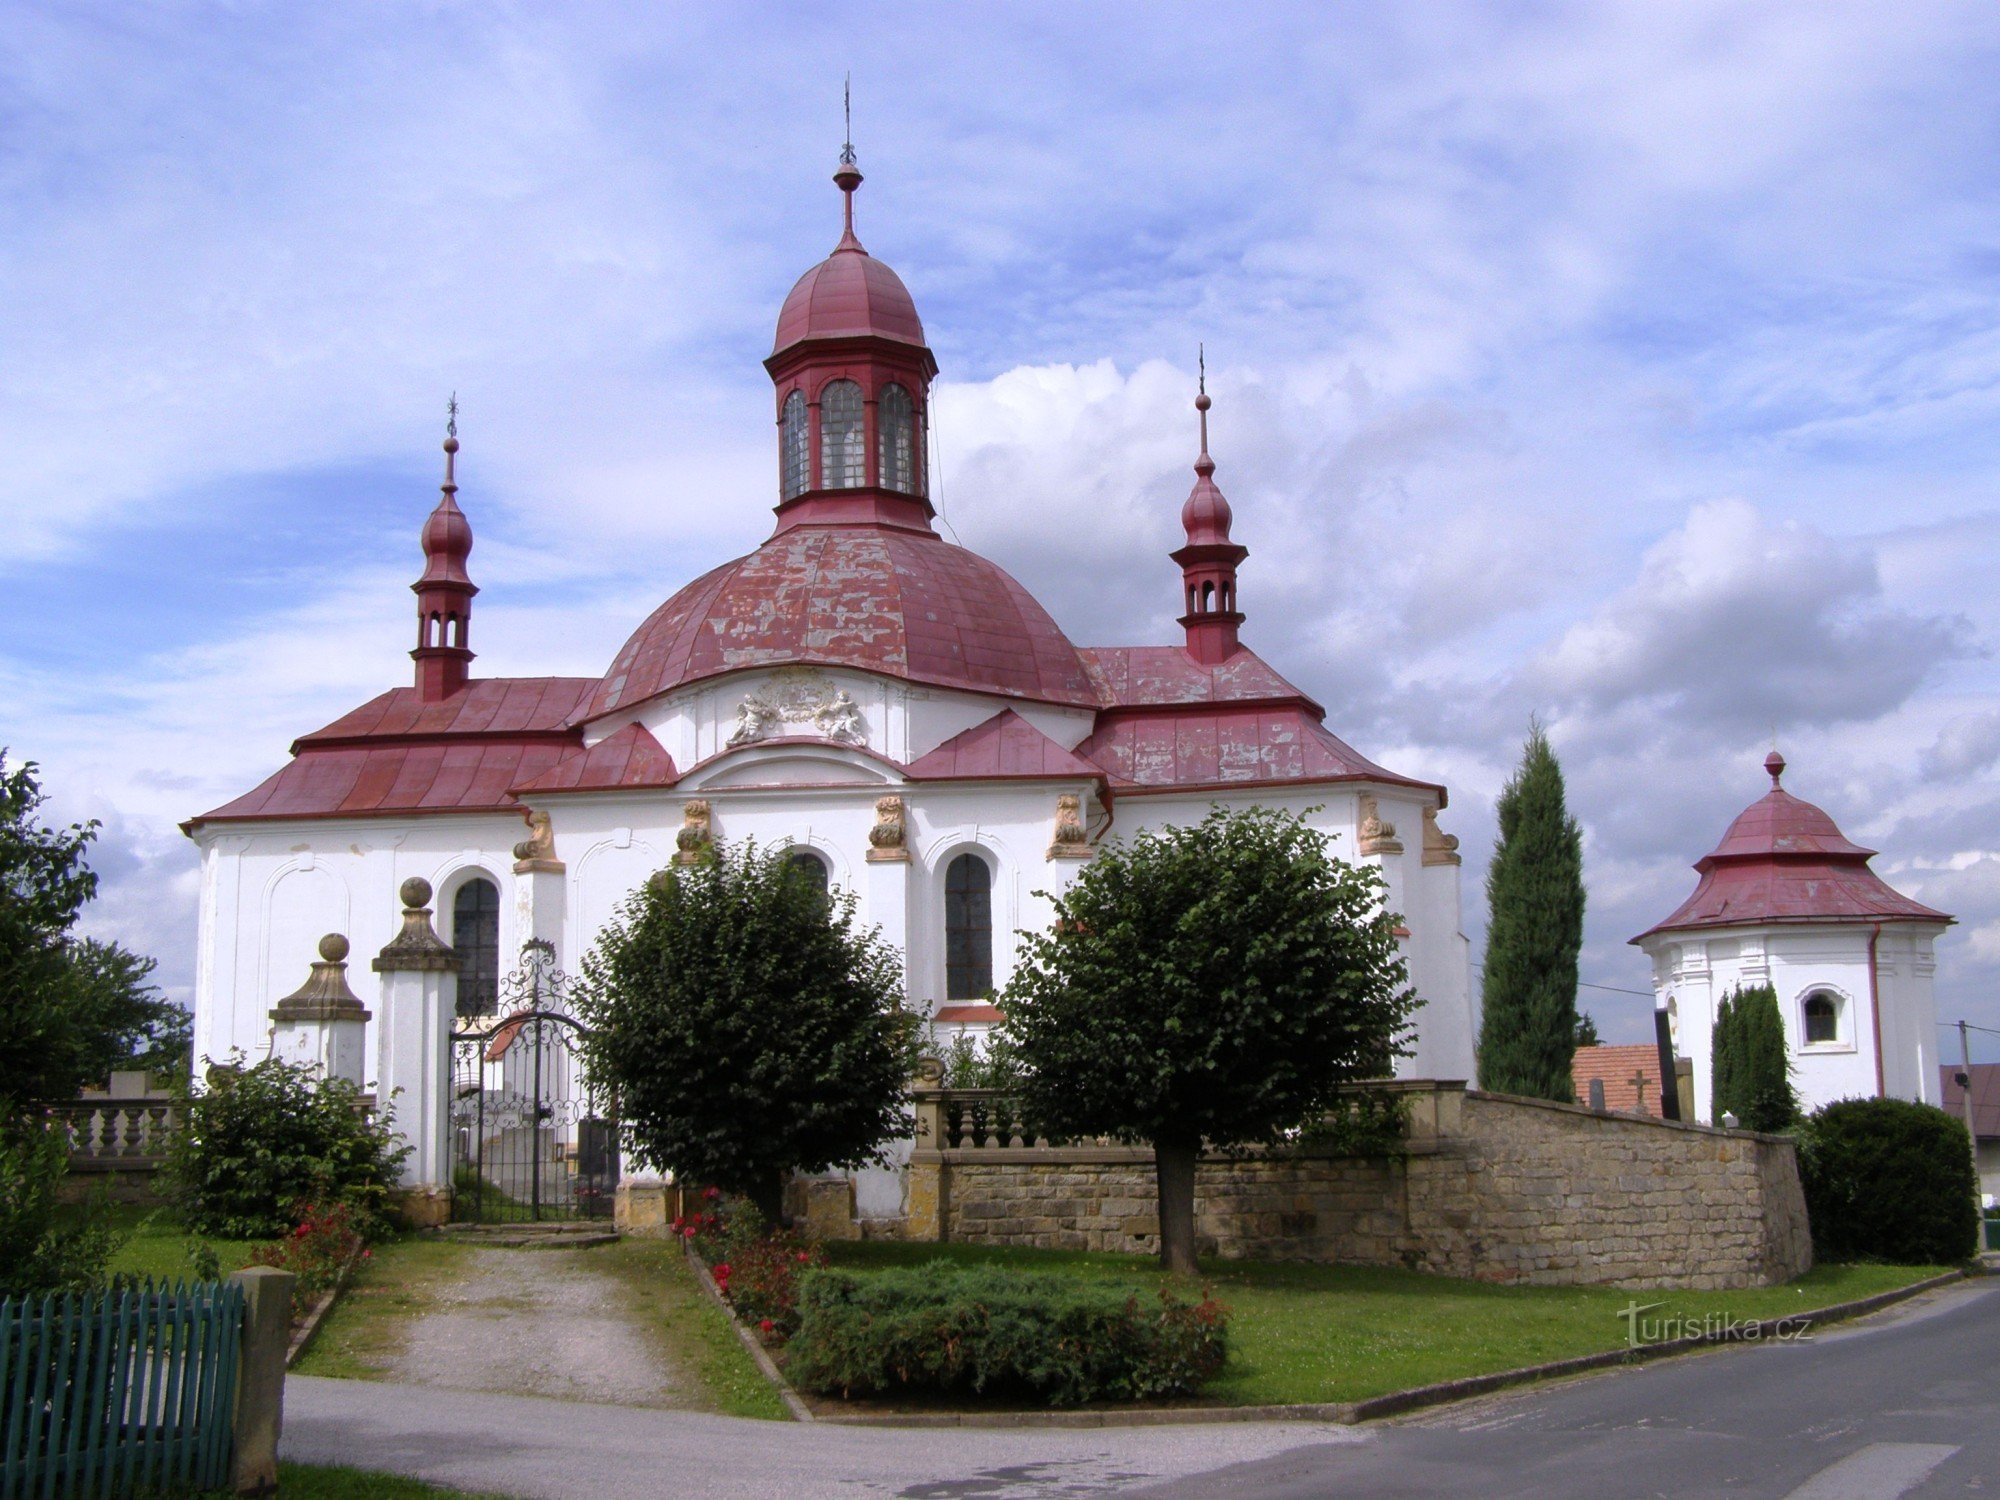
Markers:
point(1634, 365)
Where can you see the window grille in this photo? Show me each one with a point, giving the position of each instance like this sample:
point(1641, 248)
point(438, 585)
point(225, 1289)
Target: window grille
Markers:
point(843, 448)
point(475, 933)
point(795, 447)
point(968, 929)
point(895, 425)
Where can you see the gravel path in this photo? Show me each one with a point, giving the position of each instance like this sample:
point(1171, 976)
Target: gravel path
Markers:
point(539, 1323)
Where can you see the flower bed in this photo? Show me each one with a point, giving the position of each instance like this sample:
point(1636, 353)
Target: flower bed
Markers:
point(756, 1268)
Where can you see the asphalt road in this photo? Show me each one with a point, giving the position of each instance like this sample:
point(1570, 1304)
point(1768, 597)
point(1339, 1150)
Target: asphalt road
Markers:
point(1906, 1403)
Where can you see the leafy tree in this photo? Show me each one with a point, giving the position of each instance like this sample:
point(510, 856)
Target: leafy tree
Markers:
point(749, 1029)
point(1586, 1030)
point(1889, 1179)
point(75, 1008)
point(1210, 984)
point(1749, 1063)
point(42, 1248)
point(259, 1140)
point(1534, 891)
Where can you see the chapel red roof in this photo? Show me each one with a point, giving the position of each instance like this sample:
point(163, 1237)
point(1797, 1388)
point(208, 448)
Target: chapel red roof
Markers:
point(1004, 747)
point(628, 758)
point(850, 294)
point(1129, 676)
point(904, 603)
point(1785, 860)
point(1223, 745)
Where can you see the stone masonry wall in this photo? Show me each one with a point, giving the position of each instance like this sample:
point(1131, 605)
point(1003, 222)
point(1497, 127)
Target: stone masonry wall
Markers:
point(1495, 1188)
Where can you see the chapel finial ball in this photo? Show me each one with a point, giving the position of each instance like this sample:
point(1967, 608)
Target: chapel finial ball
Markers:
point(333, 948)
point(416, 892)
point(1774, 764)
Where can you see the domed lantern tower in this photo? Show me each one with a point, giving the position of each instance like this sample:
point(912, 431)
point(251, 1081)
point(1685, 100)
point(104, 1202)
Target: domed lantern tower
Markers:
point(444, 593)
point(1210, 559)
point(853, 381)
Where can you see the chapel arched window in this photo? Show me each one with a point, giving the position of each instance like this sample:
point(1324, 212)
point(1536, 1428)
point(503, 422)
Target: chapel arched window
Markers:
point(843, 444)
point(812, 866)
point(1822, 1018)
point(968, 929)
point(896, 429)
point(475, 934)
point(795, 446)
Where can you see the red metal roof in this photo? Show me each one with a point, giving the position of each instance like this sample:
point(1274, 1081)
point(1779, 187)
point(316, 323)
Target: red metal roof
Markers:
point(1784, 860)
point(850, 294)
point(1224, 746)
point(1617, 1067)
point(630, 757)
point(1985, 1097)
point(904, 603)
point(1005, 746)
point(492, 705)
point(1142, 675)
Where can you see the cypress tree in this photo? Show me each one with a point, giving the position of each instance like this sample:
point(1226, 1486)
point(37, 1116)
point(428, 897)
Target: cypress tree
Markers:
point(1752, 1064)
point(1534, 892)
point(1723, 1059)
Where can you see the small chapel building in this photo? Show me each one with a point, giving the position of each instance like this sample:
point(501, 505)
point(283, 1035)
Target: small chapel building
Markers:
point(894, 709)
point(1787, 900)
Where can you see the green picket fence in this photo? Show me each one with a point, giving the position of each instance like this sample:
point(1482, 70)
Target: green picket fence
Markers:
point(114, 1393)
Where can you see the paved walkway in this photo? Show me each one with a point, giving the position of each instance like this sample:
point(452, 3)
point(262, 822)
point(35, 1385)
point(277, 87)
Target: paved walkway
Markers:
point(538, 1323)
point(522, 1446)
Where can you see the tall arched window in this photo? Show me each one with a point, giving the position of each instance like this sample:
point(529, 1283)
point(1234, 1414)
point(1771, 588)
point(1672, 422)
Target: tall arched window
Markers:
point(1822, 1018)
point(475, 933)
point(795, 447)
point(843, 445)
point(895, 428)
point(812, 865)
point(968, 929)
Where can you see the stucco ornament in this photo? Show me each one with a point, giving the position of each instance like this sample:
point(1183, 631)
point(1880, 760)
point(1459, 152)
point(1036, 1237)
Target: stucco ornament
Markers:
point(1440, 848)
point(1071, 841)
point(1378, 835)
point(697, 836)
point(799, 698)
point(537, 852)
point(885, 839)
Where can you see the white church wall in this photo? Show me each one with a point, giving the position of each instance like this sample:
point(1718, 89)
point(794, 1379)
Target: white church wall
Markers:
point(1692, 973)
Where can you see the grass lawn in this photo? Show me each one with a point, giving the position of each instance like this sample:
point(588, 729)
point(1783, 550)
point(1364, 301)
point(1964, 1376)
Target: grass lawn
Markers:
point(696, 1331)
point(154, 1244)
point(1300, 1333)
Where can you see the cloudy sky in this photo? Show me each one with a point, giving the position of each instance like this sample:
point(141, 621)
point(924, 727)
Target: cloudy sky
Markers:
point(1632, 365)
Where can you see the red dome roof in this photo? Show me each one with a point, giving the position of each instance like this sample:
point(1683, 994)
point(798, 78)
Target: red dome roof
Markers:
point(850, 294)
point(903, 603)
point(1784, 860)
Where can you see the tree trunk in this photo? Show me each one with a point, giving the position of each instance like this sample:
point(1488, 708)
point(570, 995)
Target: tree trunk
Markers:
point(769, 1196)
point(1173, 1167)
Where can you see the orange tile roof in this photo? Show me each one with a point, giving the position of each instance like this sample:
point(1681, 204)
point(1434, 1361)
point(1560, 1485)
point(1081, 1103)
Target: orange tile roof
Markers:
point(1617, 1067)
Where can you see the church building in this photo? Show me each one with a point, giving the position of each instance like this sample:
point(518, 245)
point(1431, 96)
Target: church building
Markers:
point(894, 709)
point(1787, 900)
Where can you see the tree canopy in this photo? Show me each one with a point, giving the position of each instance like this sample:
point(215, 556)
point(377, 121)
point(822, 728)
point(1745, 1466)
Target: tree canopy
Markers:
point(1214, 984)
point(749, 1027)
point(1534, 932)
point(74, 1007)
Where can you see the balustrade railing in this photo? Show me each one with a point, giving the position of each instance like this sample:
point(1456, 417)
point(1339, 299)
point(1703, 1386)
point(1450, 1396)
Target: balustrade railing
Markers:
point(117, 1134)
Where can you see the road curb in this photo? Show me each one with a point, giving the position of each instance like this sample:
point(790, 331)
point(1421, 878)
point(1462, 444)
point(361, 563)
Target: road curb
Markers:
point(794, 1403)
point(1417, 1398)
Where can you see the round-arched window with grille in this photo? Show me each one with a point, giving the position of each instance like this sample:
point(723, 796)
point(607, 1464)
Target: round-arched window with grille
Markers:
point(843, 445)
point(475, 935)
point(896, 431)
point(968, 929)
point(795, 446)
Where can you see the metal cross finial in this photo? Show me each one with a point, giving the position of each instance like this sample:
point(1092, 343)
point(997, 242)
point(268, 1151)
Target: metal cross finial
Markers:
point(1201, 360)
point(451, 416)
point(847, 114)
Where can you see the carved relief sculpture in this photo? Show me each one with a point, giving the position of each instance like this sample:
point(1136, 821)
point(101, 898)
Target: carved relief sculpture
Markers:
point(1440, 848)
point(885, 839)
point(696, 837)
point(1378, 836)
point(1071, 841)
point(799, 698)
point(536, 854)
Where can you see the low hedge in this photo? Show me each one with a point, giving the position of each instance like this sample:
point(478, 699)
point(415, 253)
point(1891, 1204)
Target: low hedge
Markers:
point(1888, 1180)
point(943, 1329)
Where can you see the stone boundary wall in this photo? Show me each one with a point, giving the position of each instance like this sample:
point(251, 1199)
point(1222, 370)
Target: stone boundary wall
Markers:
point(1491, 1187)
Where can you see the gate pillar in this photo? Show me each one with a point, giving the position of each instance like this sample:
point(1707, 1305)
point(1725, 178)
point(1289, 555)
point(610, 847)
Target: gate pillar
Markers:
point(322, 1022)
point(413, 1052)
point(539, 879)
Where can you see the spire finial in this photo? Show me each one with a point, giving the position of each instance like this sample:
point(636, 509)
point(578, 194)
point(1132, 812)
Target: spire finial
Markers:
point(1204, 465)
point(848, 174)
point(450, 486)
point(1774, 763)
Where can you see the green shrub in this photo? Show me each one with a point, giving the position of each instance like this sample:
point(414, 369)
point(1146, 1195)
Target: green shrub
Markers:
point(261, 1139)
point(43, 1248)
point(1888, 1180)
point(941, 1329)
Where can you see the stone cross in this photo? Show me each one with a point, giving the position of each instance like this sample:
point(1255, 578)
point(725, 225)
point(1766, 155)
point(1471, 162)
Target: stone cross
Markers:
point(1639, 1082)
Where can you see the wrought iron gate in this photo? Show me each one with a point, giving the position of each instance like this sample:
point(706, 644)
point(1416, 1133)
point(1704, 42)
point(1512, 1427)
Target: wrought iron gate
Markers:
point(530, 1138)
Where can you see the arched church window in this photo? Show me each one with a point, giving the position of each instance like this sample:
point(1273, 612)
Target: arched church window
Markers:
point(1822, 1018)
point(795, 446)
point(812, 865)
point(895, 424)
point(475, 934)
point(843, 445)
point(968, 929)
